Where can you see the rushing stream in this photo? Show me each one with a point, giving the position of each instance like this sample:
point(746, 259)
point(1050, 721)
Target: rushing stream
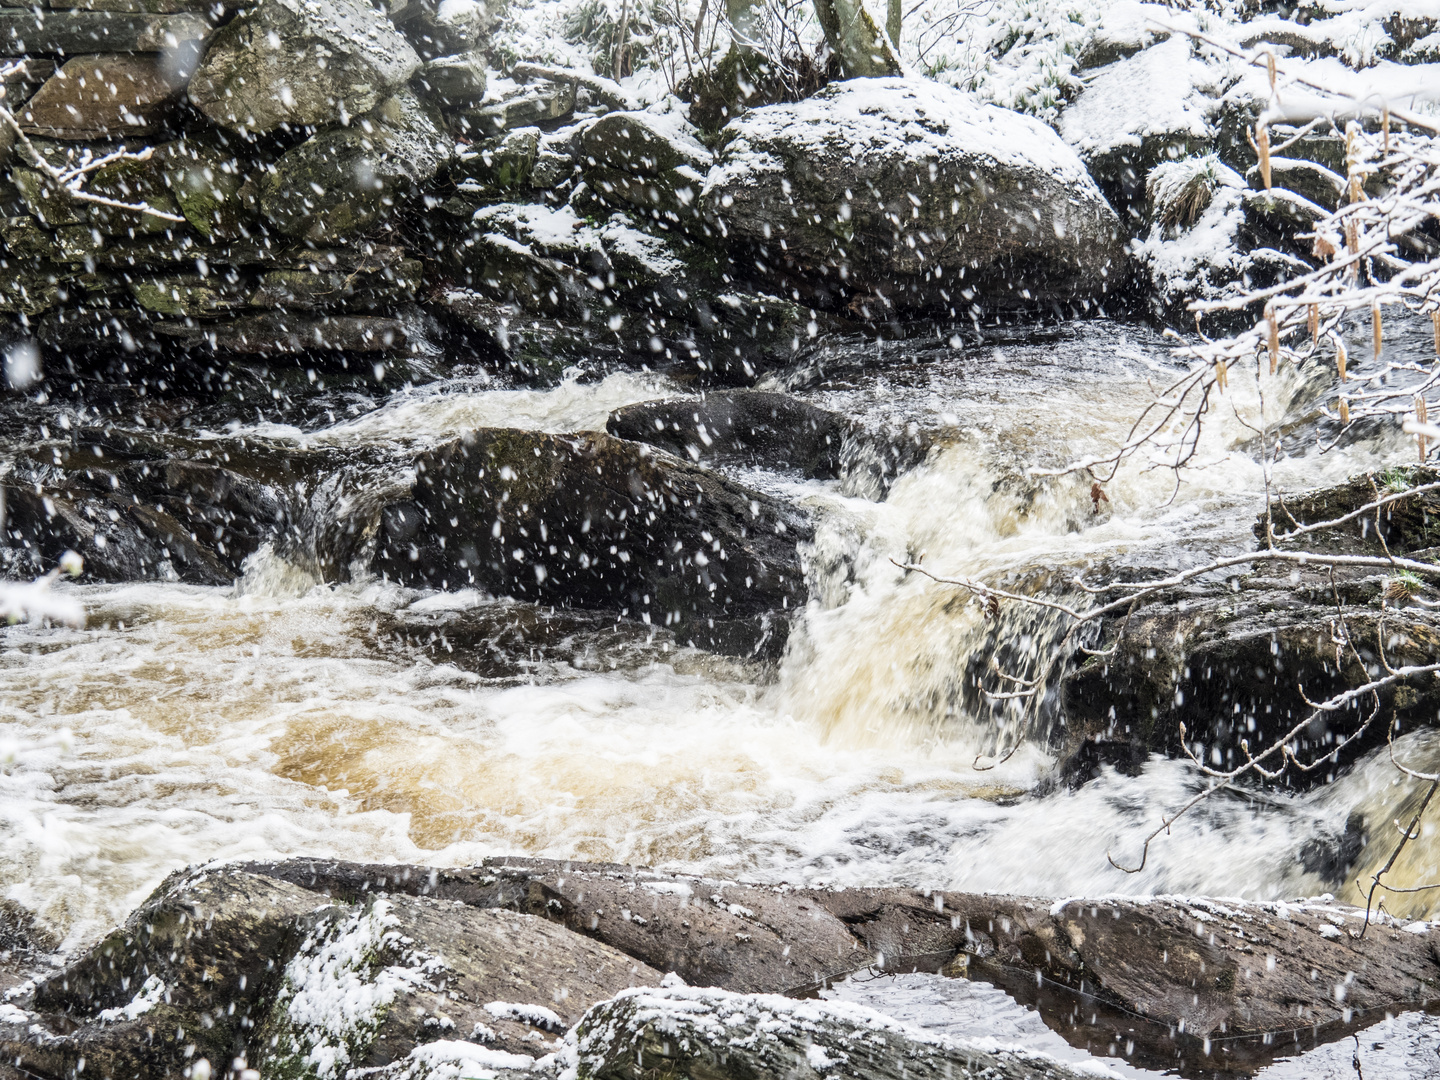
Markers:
point(280, 717)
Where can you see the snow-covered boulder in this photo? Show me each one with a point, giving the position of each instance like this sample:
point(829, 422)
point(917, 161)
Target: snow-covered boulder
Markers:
point(301, 62)
point(650, 160)
point(915, 194)
point(1155, 106)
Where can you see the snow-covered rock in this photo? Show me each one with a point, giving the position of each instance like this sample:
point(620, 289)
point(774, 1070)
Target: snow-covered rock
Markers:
point(915, 194)
point(1153, 107)
point(679, 1031)
point(650, 160)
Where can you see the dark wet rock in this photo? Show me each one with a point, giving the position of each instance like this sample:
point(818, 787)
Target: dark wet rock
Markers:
point(744, 427)
point(508, 640)
point(596, 522)
point(1235, 664)
point(1236, 659)
point(652, 162)
point(36, 33)
point(100, 97)
point(301, 62)
point(452, 81)
point(343, 180)
point(1408, 523)
point(871, 188)
point(714, 1035)
point(618, 292)
point(769, 430)
point(138, 520)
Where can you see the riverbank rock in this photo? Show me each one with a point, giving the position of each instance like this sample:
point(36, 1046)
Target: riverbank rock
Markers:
point(913, 195)
point(305, 967)
point(714, 1035)
point(1235, 659)
point(597, 522)
point(301, 62)
point(611, 293)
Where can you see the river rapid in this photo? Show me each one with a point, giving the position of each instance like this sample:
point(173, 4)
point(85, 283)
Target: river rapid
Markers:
point(280, 717)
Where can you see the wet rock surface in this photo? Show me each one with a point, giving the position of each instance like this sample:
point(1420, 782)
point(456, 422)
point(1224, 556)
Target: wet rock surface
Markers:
point(1234, 660)
point(290, 965)
point(594, 521)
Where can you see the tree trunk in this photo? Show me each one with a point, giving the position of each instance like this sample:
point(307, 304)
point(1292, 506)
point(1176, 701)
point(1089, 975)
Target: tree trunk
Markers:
point(855, 37)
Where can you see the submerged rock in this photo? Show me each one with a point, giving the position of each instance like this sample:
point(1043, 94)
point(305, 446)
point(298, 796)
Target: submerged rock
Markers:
point(598, 522)
point(301, 62)
point(916, 196)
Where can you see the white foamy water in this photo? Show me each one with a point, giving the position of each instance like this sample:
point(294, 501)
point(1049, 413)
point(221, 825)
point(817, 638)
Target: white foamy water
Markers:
point(435, 412)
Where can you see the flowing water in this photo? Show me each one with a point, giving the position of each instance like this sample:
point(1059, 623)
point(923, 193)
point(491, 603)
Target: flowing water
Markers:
point(279, 717)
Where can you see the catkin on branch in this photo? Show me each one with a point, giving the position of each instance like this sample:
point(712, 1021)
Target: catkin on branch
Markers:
point(1272, 324)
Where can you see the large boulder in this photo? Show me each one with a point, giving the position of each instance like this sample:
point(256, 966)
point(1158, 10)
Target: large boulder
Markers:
point(301, 62)
point(916, 195)
point(597, 522)
point(340, 181)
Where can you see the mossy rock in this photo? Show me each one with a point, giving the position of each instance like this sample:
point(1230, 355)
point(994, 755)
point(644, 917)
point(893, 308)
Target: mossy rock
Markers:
point(187, 295)
point(343, 180)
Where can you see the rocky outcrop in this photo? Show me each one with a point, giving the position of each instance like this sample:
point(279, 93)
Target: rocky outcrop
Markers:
point(596, 522)
point(1234, 661)
point(907, 194)
point(303, 968)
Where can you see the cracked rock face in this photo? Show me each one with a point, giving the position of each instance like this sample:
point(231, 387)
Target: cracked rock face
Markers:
point(301, 62)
